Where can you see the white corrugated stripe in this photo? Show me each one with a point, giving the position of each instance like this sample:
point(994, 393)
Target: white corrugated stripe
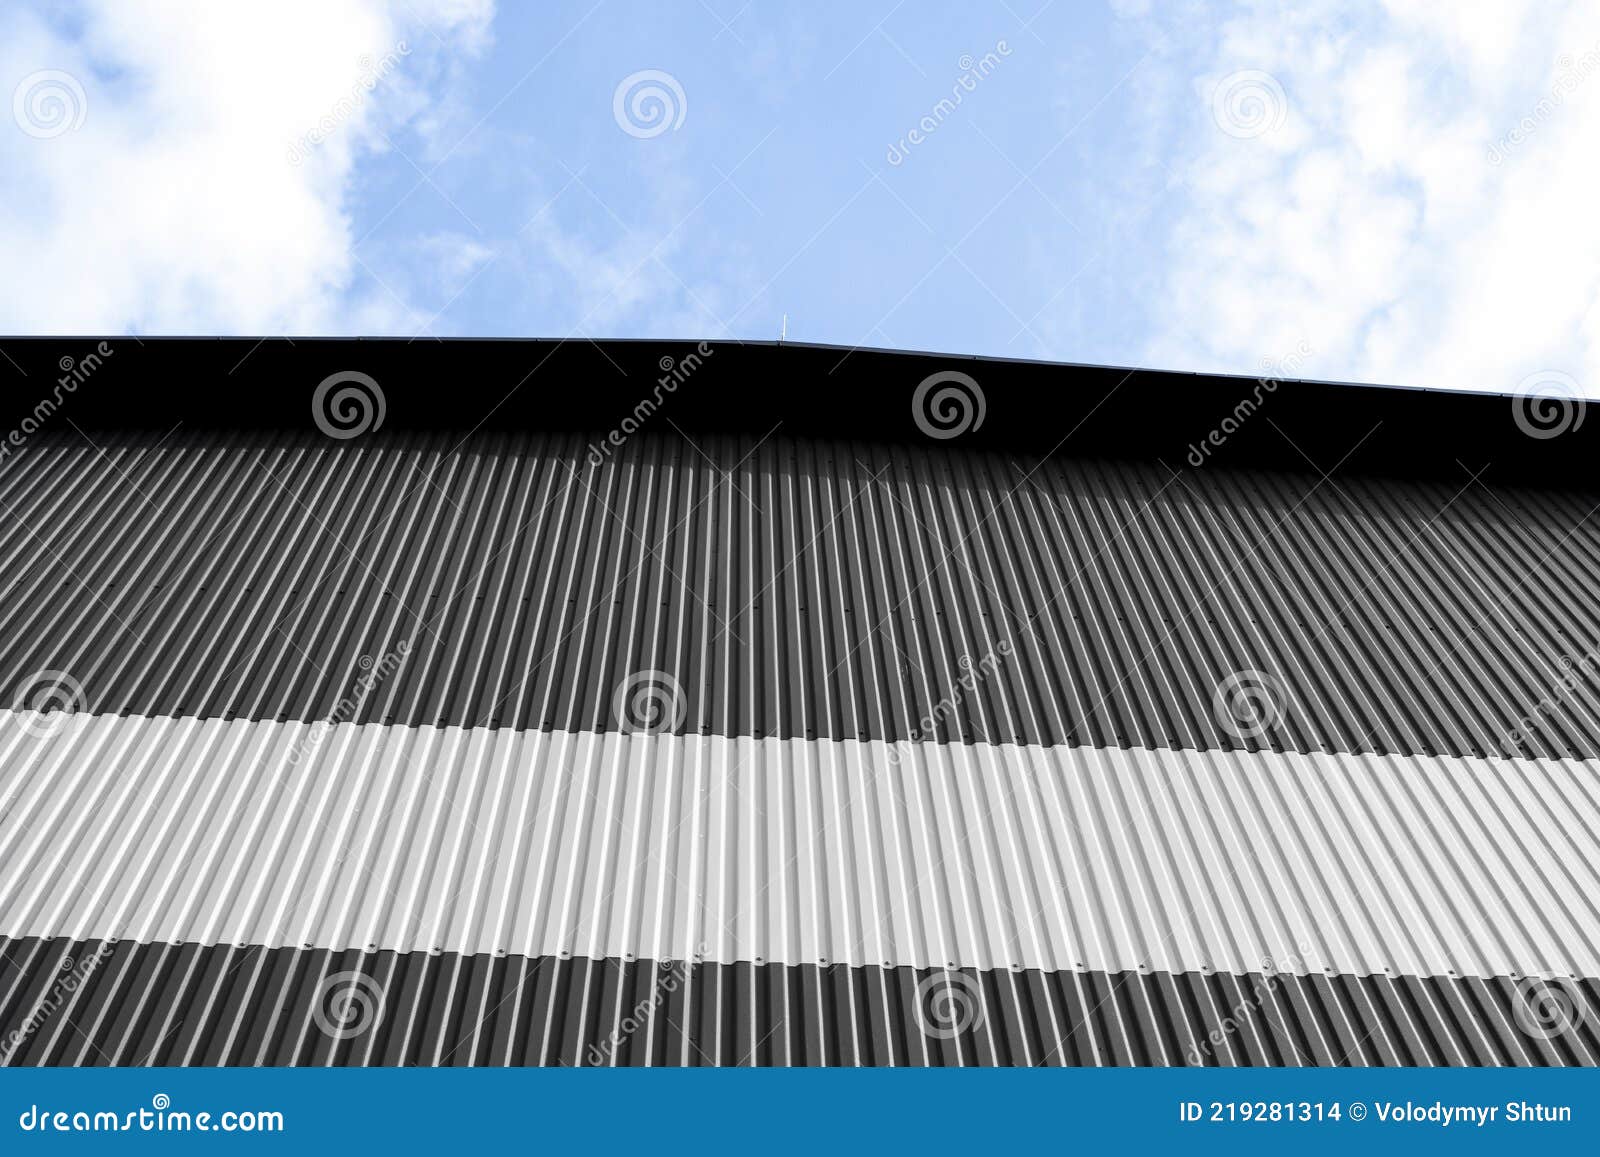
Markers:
point(795, 851)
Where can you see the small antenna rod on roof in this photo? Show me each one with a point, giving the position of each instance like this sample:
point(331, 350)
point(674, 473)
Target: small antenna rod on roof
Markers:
point(783, 331)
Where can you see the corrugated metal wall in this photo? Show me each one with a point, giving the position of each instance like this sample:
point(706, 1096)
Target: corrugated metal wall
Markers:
point(910, 755)
point(188, 1004)
point(789, 852)
point(799, 589)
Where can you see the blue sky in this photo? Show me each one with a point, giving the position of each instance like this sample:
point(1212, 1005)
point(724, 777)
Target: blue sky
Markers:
point(775, 195)
point(1367, 192)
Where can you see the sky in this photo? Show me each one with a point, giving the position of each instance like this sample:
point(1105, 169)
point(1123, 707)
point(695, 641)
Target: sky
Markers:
point(1397, 193)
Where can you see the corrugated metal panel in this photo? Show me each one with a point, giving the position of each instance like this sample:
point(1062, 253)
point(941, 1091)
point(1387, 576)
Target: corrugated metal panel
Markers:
point(1055, 633)
point(183, 1004)
point(799, 589)
point(798, 852)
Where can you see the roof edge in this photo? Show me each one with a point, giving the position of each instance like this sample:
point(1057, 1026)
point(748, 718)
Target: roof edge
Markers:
point(613, 388)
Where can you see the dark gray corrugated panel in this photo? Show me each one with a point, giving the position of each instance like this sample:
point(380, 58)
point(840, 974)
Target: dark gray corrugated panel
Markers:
point(798, 588)
point(187, 1004)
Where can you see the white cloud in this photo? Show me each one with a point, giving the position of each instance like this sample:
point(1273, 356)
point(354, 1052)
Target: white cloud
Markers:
point(659, 273)
point(633, 285)
point(1374, 225)
point(207, 188)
